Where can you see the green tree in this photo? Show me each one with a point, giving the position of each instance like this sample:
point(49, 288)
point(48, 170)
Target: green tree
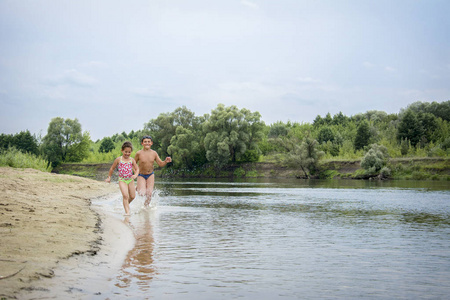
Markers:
point(318, 121)
point(65, 141)
point(229, 132)
point(439, 110)
point(23, 141)
point(328, 120)
point(278, 129)
point(404, 146)
point(5, 141)
point(363, 135)
point(340, 119)
point(325, 135)
point(184, 147)
point(107, 145)
point(409, 128)
point(304, 156)
point(163, 128)
point(255, 131)
point(429, 124)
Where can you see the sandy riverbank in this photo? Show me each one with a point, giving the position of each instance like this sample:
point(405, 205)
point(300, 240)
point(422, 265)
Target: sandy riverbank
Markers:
point(44, 218)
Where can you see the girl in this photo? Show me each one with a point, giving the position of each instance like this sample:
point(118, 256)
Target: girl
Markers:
point(126, 166)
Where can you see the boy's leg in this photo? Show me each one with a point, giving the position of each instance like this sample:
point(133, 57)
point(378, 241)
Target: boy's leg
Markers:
point(141, 185)
point(124, 190)
point(149, 190)
point(131, 191)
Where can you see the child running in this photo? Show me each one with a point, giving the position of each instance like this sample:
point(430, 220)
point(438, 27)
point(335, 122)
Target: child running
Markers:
point(126, 165)
point(146, 158)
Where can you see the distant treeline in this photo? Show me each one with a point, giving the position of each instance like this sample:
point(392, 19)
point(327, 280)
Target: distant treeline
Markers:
point(229, 135)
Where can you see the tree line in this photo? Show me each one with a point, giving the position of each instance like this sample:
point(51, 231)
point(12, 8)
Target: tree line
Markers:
point(229, 135)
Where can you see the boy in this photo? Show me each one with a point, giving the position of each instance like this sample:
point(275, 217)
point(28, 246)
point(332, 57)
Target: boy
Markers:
point(145, 158)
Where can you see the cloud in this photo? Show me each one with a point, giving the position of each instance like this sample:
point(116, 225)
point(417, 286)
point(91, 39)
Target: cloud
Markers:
point(94, 64)
point(390, 69)
point(145, 92)
point(368, 65)
point(250, 4)
point(308, 80)
point(73, 77)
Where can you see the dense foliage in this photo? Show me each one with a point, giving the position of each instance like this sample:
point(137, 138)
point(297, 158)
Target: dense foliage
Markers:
point(65, 142)
point(229, 135)
point(23, 141)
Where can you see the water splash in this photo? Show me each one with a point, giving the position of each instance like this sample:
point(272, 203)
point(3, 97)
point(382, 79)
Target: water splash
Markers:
point(139, 202)
point(113, 204)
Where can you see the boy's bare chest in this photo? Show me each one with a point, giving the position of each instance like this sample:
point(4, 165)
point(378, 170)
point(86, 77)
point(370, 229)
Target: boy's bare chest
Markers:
point(147, 157)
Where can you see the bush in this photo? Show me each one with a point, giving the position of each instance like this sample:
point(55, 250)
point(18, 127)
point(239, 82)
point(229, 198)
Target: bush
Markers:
point(17, 159)
point(249, 156)
point(239, 172)
point(385, 172)
point(375, 159)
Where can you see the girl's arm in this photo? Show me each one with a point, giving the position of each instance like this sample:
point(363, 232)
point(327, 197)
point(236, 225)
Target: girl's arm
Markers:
point(111, 170)
point(135, 169)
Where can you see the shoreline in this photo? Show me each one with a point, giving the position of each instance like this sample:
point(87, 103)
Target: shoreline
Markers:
point(85, 276)
point(48, 223)
point(430, 168)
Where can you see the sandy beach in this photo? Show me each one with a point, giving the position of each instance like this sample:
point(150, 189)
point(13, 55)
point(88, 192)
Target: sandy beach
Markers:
point(45, 218)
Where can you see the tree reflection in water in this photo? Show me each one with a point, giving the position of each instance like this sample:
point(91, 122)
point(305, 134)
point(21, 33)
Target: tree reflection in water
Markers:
point(138, 267)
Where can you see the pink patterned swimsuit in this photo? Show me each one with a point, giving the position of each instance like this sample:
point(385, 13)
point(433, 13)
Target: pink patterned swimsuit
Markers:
point(125, 170)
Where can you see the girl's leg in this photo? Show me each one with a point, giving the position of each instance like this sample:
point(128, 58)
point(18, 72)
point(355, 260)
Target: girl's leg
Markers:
point(131, 192)
point(149, 190)
point(124, 190)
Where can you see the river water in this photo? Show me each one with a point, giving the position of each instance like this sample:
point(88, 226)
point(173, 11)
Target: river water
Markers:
point(282, 239)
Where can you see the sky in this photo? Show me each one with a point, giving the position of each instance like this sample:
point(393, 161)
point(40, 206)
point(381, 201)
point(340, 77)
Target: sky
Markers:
point(115, 65)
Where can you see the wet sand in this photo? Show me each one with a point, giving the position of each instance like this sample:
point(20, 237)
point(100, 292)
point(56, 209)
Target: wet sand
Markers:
point(45, 219)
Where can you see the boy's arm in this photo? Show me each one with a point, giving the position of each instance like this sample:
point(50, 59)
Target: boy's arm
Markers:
point(136, 157)
point(160, 162)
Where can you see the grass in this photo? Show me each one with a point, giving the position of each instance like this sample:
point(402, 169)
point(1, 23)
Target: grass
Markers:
point(16, 159)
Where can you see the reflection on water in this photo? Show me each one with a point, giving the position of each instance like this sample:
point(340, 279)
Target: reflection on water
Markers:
point(138, 267)
point(283, 239)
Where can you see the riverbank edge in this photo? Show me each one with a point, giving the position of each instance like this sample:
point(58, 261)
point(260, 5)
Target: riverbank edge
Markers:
point(420, 168)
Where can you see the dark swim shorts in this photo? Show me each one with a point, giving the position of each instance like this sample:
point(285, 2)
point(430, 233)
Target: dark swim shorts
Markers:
point(146, 176)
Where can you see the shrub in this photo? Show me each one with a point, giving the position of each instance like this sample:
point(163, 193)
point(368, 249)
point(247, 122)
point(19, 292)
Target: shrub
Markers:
point(385, 172)
point(17, 159)
point(239, 172)
point(375, 159)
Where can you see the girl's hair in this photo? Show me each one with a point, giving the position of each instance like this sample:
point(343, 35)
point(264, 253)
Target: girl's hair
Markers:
point(127, 145)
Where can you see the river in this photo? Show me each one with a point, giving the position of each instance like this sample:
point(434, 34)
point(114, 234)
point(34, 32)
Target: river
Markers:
point(279, 239)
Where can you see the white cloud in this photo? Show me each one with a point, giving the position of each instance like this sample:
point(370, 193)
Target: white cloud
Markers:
point(390, 69)
point(146, 91)
point(250, 4)
point(94, 64)
point(73, 77)
point(368, 65)
point(308, 80)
